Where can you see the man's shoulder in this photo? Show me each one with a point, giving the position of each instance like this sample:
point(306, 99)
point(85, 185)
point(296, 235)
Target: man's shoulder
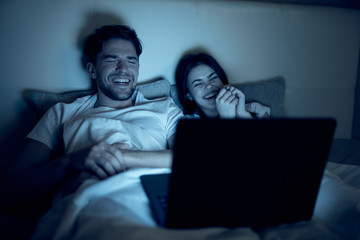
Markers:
point(79, 101)
point(87, 98)
point(79, 104)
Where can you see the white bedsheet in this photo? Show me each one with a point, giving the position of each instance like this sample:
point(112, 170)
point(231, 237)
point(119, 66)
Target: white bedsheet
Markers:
point(117, 208)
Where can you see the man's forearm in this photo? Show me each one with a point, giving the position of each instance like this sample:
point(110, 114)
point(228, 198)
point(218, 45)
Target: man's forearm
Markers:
point(26, 187)
point(160, 158)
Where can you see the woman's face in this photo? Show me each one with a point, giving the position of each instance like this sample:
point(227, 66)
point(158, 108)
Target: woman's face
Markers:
point(204, 85)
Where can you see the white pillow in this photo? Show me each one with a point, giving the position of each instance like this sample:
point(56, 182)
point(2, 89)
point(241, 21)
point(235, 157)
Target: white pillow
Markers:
point(155, 89)
point(40, 101)
point(338, 201)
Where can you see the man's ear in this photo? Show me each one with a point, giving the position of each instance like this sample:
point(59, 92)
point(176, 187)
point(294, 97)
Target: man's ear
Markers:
point(91, 70)
point(188, 95)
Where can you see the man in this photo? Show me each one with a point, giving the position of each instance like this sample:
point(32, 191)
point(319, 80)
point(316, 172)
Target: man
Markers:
point(132, 131)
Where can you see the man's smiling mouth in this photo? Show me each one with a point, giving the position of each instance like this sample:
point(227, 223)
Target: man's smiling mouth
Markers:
point(121, 80)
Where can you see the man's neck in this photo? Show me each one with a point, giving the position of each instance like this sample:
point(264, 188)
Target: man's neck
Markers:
point(105, 101)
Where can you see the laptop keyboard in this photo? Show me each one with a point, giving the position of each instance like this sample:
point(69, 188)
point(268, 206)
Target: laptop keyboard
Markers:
point(163, 199)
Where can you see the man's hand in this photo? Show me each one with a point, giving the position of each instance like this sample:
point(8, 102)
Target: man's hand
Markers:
point(103, 159)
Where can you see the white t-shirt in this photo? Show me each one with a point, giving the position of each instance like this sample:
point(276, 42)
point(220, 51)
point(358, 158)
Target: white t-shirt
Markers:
point(145, 126)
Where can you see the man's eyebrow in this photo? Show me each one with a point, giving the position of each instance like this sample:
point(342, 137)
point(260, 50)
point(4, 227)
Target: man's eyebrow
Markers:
point(116, 57)
point(110, 56)
point(132, 58)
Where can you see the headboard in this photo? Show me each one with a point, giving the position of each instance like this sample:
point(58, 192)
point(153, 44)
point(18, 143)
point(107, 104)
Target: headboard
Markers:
point(269, 92)
point(312, 44)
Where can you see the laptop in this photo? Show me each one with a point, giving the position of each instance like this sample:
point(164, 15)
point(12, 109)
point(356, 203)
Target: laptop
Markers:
point(241, 173)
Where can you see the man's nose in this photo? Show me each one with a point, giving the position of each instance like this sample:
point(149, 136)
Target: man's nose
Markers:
point(121, 66)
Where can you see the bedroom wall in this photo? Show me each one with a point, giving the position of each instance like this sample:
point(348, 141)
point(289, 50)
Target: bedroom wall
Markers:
point(314, 48)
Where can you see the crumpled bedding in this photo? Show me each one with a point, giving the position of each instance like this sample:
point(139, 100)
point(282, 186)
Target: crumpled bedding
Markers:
point(117, 208)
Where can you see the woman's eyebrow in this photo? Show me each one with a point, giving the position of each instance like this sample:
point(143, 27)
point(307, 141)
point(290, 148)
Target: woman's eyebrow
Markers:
point(211, 74)
point(199, 80)
point(195, 80)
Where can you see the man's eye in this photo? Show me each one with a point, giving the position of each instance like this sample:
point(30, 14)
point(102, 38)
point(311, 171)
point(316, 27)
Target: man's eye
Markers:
point(132, 60)
point(110, 60)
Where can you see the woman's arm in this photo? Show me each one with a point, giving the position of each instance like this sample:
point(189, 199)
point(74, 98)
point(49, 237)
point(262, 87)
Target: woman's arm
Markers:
point(260, 111)
point(157, 159)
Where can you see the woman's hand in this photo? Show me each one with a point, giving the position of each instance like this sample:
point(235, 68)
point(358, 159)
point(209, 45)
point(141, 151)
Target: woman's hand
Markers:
point(241, 111)
point(230, 103)
point(226, 103)
point(103, 159)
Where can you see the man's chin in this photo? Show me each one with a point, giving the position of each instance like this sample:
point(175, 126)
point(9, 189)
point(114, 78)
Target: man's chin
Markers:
point(124, 96)
point(120, 96)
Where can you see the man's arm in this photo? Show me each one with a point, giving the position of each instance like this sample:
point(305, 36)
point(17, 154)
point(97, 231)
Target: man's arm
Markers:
point(32, 177)
point(35, 175)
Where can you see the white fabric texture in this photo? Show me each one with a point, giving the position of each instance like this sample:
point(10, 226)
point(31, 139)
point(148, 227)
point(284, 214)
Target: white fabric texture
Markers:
point(49, 128)
point(118, 208)
point(338, 202)
point(145, 126)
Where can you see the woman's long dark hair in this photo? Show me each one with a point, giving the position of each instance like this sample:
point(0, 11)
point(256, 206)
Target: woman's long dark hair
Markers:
point(186, 63)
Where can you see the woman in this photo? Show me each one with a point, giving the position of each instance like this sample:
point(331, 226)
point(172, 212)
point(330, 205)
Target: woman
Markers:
point(204, 90)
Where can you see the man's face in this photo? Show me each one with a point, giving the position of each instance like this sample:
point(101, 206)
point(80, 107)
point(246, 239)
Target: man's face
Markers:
point(116, 71)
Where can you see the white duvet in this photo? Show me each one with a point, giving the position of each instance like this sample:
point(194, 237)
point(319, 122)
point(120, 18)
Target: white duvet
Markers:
point(117, 208)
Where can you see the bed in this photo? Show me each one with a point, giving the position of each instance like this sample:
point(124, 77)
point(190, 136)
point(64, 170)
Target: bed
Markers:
point(117, 208)
point(313, 44)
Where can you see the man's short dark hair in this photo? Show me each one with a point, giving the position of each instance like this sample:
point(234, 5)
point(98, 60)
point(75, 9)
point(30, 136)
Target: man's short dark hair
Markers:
point(94, 43)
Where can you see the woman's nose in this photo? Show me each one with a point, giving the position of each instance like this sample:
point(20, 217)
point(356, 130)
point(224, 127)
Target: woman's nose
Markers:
point(207, 85)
